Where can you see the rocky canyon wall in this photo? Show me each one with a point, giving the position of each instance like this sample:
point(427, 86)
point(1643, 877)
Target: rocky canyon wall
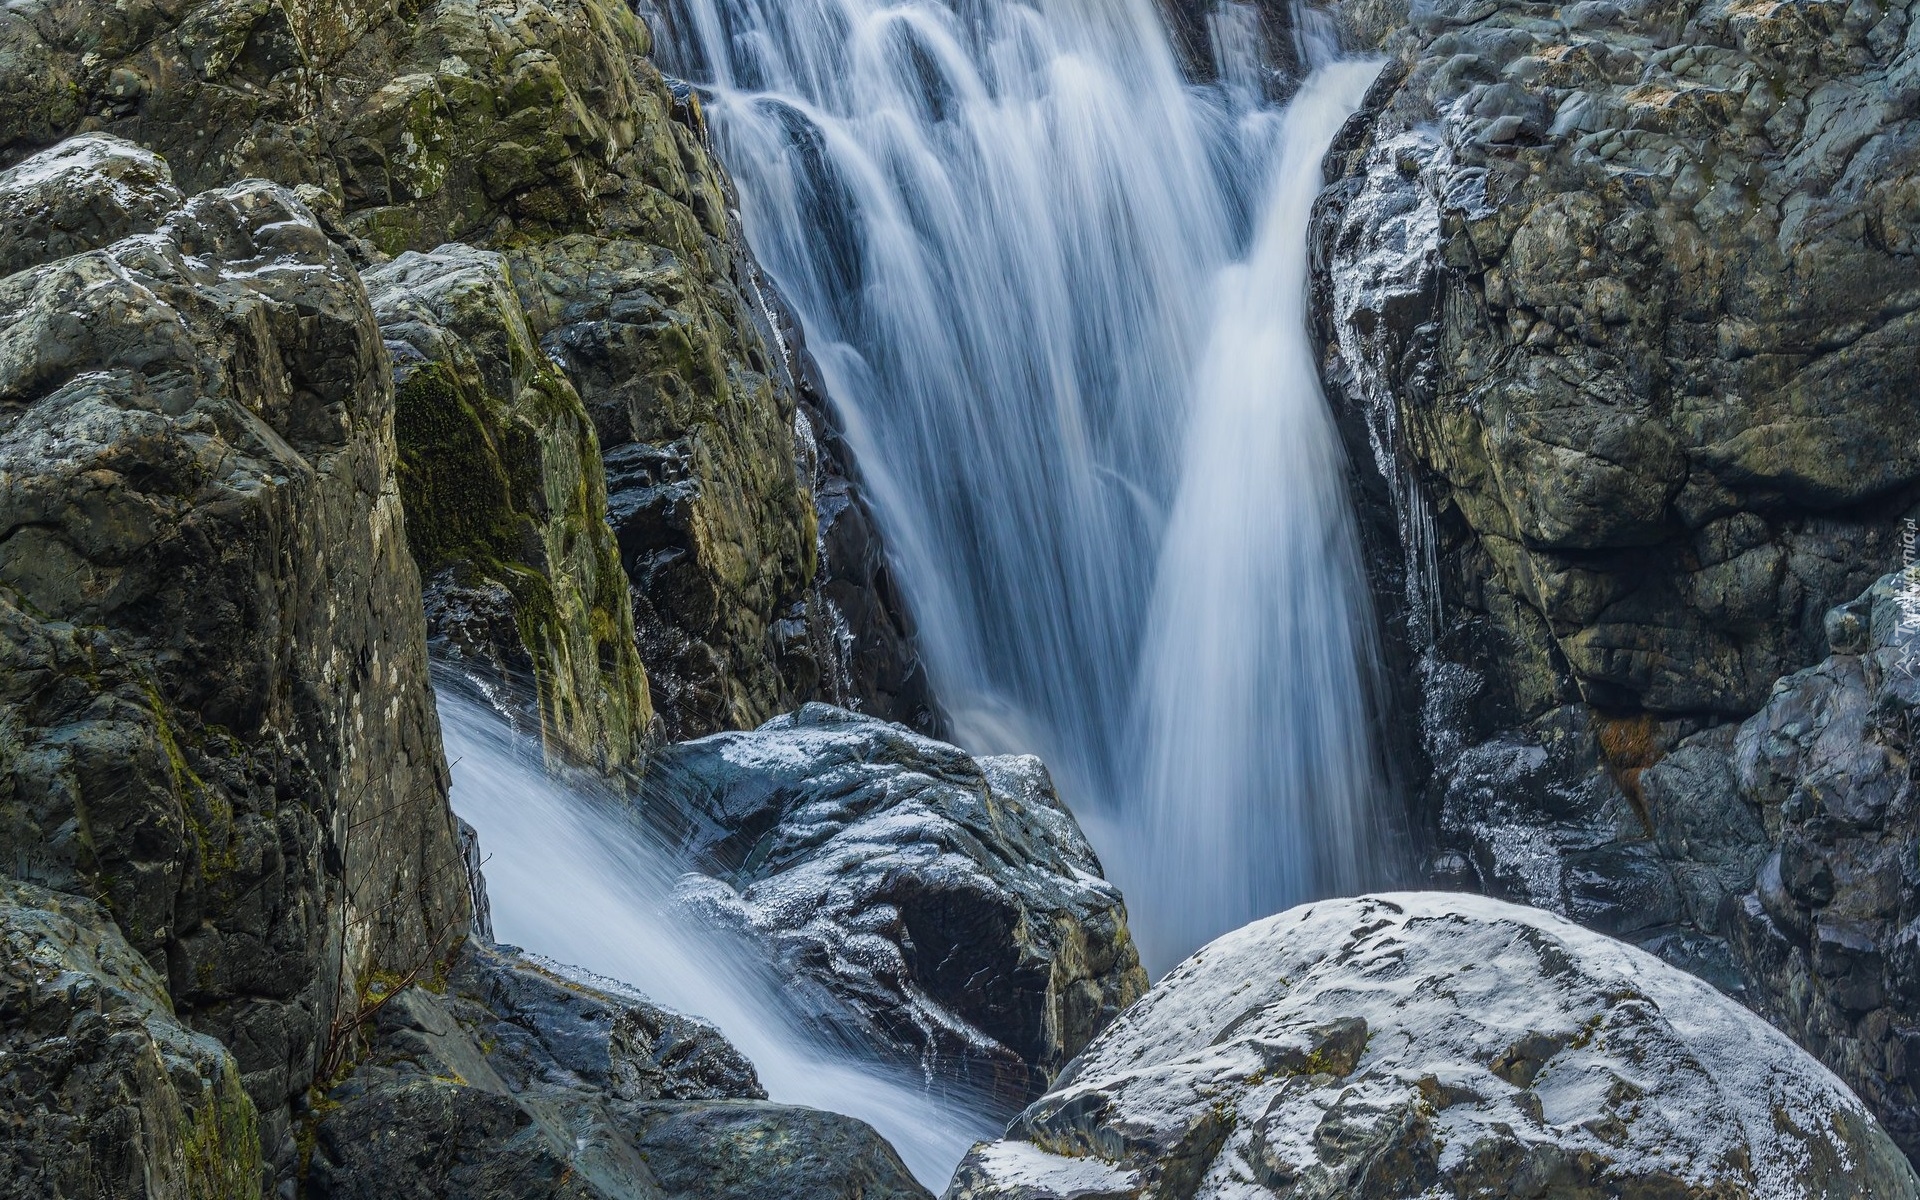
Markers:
point(1619, 308)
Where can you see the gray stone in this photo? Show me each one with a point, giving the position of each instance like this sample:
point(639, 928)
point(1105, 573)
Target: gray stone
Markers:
point(85, 193)
point(1422, 1044)
point(103, 1091)
point(541, 129)
point(212, 671)
point(523, 1079)
point(1624, 387)
point(1826, 934)
point(944, 907)
point(506, 501)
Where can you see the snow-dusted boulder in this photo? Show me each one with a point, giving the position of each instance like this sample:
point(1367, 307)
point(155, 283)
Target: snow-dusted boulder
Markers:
point(1437, 1045)
point(945, 905)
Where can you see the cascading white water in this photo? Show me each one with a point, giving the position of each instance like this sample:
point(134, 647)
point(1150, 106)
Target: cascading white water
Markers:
point(1058, 294)
point(1059, 297)
point(575, 879)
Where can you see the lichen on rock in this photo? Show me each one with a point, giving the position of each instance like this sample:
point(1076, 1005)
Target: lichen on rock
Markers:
point(1422, 1044)
point(214, 717)
point(103, 1090)
point(506, 505)
point(1611, 296)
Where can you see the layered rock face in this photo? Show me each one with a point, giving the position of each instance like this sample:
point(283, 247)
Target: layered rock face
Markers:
point(214, 716)
point(103, 1091)
point(1430, 1044)
point(944, 906)
point(539, 129)
point(1615, 297)
point(519, 1081)
point(1627, 289)
point(1793, 837)
point(507, 506)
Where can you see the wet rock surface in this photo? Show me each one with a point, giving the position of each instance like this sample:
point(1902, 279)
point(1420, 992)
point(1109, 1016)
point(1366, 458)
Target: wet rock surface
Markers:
point(940, 905)
point(214, 716)
point(1612, 297)
point(1434, 1044)
point(1616, 285)
point(1818, 790)
point(506, 505)
point(517, 1078)
point(103, 1091)
point(540, 129)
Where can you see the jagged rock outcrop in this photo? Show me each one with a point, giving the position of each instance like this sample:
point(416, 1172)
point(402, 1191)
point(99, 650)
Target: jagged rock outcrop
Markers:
point(103, 1092)
point(506, 506)
point(714, 525)
point(1612, 297)
point(1617, 282)
point(214, 716)
point(537, 128)
point(944, 906)
point(1436, 1044)
point(520, 1080)
point(1792, 841)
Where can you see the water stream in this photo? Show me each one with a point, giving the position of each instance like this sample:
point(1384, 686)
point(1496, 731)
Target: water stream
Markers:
point(1059, 296)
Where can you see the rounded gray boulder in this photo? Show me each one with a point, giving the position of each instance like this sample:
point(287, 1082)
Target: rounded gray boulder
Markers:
point(1434, 1044)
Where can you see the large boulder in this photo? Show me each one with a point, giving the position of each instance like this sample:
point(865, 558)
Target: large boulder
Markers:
point(214, 714)
point(103, 1092)
point(521, 1080)
point(506, 505)
point(943, 906)
point(1422, 1044)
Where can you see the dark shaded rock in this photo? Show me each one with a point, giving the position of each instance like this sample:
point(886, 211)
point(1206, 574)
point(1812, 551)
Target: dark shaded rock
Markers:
point(1420, 1044)
point(1608, 292)
point(214, 714)
point(506, 499)
point(522, 1080)
point(696, 415)
point(945, 906)
point(744, 1150)
point(103, 1092)
point(85, 193)
point(1827, 935)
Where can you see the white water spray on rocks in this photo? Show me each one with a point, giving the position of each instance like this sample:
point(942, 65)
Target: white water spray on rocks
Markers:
point(571, 876)
point(1058, 294)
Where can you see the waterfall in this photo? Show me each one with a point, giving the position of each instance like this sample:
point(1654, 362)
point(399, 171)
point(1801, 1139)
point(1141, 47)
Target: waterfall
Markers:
point(1058, 296)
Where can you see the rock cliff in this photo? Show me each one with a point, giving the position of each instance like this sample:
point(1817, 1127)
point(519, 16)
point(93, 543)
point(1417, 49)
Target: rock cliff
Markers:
point(538, 129)
point(214, 717)
point(1423, 1044)
point(506, 499)
point(102, 1090)
point(1614, 299)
